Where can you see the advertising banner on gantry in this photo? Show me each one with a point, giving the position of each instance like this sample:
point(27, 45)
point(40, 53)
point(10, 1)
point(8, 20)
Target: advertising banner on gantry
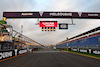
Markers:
point(84, 15)
point(48, 24)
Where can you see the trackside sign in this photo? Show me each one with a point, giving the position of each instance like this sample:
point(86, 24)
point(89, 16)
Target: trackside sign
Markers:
point(5, 54)
point(48, 24)
point(63, 26)
point(10, 53)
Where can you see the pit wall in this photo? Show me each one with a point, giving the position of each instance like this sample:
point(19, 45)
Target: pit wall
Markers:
point(10, 53)
point(91, 51)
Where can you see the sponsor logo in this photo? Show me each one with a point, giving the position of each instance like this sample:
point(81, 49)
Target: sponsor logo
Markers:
point(48, 24)
point(83, 50)
point(74, 49)
point(22, 51)
point(5, 54)
point(27, 14)
point(60, 14)
point(96, 52)
point(93, 15)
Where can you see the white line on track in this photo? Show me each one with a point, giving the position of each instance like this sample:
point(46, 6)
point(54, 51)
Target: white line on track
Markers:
point(47, 51)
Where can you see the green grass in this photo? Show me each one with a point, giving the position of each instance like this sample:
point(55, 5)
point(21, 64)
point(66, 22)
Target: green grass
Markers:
point(94, 55)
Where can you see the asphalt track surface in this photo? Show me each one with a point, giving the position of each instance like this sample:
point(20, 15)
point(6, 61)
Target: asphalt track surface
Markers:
point(51, 58)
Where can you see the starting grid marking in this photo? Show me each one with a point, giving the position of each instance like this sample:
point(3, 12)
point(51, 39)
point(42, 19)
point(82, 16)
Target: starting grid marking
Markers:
point(48, 51)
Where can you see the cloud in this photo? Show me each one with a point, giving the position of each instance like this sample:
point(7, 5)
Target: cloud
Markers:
point(34, 31)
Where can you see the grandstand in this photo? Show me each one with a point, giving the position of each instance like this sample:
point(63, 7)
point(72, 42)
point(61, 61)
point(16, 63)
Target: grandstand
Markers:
point(86, 40)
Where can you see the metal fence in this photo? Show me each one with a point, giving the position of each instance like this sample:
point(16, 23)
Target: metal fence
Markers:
point(92, 41)
point(86, 40)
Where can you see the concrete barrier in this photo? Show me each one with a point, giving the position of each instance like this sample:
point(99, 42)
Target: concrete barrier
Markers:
point(9, 53)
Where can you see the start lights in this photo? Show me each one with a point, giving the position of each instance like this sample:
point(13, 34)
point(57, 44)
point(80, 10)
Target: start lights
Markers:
point(48, 29)
point(48, 25)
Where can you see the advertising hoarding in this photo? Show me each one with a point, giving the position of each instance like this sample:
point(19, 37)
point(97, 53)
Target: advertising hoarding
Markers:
point(48, 24)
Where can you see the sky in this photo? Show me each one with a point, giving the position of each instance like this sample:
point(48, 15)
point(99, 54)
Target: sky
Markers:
point(51, 38)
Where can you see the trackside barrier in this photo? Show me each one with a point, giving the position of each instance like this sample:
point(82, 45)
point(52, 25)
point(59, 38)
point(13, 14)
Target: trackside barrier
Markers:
point(34, 49)
point(91, 51)
point(9, 53)
point(86, 44)
point(6, 54)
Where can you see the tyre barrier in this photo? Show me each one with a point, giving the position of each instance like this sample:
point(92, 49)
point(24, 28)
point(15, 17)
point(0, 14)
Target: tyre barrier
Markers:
point(91, 51)
point(10, 53)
